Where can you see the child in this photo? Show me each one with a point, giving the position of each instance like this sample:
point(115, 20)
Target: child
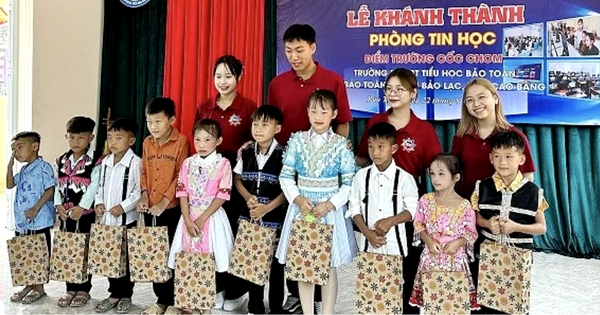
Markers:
point(371, 189)
point(319, 157)
point(77, 182)
point(118, 193)
point(445, 222)
point(204, 185)
point(33, 205)
point(163, 152)
point(256, 179)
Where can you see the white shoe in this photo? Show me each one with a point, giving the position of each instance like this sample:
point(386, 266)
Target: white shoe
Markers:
point(219, 300)
point(319, 308)
point(230, 305)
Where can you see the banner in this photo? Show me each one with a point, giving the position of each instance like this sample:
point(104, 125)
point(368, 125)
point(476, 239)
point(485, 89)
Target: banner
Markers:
point(541, 55)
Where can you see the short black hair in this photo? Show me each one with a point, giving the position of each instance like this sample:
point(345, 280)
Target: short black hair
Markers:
point(300, 32)
point(232, 64)
point(80, 124)
point(382, 130)
point(507, 140)
point(453, 164)
point(320, 97)
point(266, 113)
point(161, 105)
point(32, 136)
point(209, 125)
point(124, 124)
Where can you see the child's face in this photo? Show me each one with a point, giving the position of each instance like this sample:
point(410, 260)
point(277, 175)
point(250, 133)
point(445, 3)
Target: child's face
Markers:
point(119, 141)
point(225, 82)
point(205, 143)
point(440, 176)
point(264, 130)
point(300, 53)
point(23, 150)
point(480, 102)
point(320, 117)
point(381, 150)
point(79, 142)
point(397, 95)
point(506, 161)
point(159, 124)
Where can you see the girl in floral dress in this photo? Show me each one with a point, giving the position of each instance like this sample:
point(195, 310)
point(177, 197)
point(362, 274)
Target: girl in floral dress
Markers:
point(204, 185)
point(445, 222)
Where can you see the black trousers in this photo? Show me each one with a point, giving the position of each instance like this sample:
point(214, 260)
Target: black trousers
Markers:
point(410, 264)
point(85, 225)
point(122, 287)
point(165, 292)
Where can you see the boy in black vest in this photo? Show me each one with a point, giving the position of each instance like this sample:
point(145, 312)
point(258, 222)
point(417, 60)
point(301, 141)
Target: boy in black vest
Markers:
point(257, 180)
point(510, 208)
point(78, 176)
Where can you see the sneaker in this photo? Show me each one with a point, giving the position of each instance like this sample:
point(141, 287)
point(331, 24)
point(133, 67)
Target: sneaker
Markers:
point(219, 300)
point(319, 308)
point(291, 304)
point(230, 305)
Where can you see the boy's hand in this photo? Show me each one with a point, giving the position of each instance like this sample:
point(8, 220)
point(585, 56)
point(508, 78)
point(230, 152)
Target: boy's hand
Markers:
point(434, 247)
point(62, 212)
point(304, 204)
point(452, 247)
point(252, 202)
point(156, 210)
point(383, 226)
point(31, 213)
point(117, 210)
point(375, 240)
point(320, 209)
point(100, 209)
point(11, 161)
point(258, 211)
point(142, 205)
point(76, 212)
point(507, 226)
point(191, 227)
point(494, 225)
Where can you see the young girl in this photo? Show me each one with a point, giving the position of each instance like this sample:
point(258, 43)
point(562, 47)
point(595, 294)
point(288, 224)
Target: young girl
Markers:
point(445, 222)
point(481, 117)
point(318, 157)
point(204, 185)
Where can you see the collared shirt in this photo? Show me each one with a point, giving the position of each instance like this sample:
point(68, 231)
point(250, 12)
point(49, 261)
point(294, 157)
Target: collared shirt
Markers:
point(417, 143)
point(474, 152)
point(290, 93)
point(161, 165)
point(110, 191)
point(381, 186)
point(511, 188)
point(261, 159)
point(320, 138)
point(87, 200)
point(235, 121)
point(31, 182)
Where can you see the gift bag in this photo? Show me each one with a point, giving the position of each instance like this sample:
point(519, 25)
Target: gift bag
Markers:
point(379, 283)
point(253, 251)
point(446, 290)
point(69, 255)
point(309, 252)
point(29, 259)
point(148, 249)
point(504, 277)
point(195, 286)
point(108, 251)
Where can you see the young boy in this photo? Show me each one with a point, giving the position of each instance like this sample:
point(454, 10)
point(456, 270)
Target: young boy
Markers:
point(256, 179)
point(118, 193)
point(33, 205)
point(383, 196)
point(77, 182)
point(163, 152)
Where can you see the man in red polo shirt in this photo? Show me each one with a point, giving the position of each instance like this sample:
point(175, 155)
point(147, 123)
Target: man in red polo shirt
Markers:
point(290, 90)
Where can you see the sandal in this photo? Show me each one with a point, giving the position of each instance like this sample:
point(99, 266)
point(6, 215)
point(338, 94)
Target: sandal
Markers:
point(81, 299)
point(124, 306)
point(66, 300)
point(153, 310)
point(105, 305)
point(18, 296)
point(172, 310)
point(33, 296)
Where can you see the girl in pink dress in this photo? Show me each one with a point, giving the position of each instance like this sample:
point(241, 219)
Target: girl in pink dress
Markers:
point(445, 222)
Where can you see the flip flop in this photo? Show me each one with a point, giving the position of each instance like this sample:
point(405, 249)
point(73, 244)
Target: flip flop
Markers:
point(81, 299)
point(18, 296)
point(33, 296)
point(124, 306)
point(105, 305)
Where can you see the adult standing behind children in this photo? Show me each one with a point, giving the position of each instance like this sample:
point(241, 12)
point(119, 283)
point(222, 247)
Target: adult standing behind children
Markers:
point(33, 205)
point(163, 153)
point(78, 177)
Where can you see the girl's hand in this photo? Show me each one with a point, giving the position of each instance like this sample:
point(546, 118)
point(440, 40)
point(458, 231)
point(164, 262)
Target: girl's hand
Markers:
point(200, 223)
point(191, 227)
point(452, 247)
point(304, 204)
point(434, 247)
point(320, 209)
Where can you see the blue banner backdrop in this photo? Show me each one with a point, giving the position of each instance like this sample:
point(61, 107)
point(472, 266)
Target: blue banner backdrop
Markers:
point(542, 55)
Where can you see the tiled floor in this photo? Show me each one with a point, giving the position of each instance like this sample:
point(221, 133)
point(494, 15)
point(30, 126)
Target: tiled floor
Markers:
point(561, 285)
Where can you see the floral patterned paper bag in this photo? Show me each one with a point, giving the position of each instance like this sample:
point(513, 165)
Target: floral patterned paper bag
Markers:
point(446, 292)
point(108, 251)
point(69, 260)
point(194, 280)
point(504, 277)
point(309, 252)
point(28, 259)
point(148, 249)
point(253, 252)
point(379, 284)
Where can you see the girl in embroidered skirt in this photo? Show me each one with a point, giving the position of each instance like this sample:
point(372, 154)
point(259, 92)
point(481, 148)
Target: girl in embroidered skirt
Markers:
point(204, 185)
point(445, 222)
point(318, 157)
